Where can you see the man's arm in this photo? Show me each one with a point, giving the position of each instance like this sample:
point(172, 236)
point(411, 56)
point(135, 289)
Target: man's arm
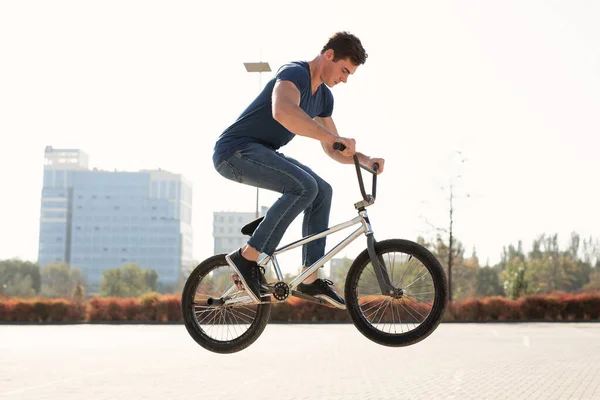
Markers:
point(338, 156)
point(287, 111)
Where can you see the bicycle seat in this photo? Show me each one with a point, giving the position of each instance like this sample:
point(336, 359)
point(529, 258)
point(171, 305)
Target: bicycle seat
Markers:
point(249, 229)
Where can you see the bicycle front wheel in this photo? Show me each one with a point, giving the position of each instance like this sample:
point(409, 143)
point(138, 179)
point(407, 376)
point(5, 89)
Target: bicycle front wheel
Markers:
point(416, 306)
point(214, 324)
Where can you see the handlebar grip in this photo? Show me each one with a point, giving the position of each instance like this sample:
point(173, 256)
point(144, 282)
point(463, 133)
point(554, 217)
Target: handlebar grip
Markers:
point(339, 146)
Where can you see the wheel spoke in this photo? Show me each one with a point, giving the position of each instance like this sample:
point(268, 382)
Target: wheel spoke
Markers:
point(414, 309)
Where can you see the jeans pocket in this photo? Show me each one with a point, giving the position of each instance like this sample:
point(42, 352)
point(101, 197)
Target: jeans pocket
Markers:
point(229, 171)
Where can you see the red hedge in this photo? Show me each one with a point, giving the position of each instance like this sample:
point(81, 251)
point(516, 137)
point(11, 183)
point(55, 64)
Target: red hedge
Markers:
point(557, 306)
point(166, 308)
point(41, 310)
point(149, 307)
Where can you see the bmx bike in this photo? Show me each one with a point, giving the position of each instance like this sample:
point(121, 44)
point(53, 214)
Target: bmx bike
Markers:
point(395, 290)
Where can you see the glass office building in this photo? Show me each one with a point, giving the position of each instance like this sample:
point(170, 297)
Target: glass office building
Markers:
point(97, 220)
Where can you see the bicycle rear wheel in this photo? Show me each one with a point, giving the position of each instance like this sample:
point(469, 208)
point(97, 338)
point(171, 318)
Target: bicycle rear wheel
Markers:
point(417, 305)
point(218, 327)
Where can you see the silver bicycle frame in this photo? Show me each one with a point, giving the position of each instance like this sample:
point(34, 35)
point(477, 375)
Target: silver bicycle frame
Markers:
point(365, 228)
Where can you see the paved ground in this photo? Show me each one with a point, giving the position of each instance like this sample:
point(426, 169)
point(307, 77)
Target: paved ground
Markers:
point(459, 361)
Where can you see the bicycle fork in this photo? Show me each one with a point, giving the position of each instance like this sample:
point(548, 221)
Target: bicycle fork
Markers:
point(383, 278)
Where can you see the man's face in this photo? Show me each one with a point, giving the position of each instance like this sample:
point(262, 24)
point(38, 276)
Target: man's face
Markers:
point(338, 71)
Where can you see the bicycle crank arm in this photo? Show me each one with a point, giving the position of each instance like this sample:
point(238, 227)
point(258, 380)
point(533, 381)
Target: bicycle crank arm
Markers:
point(307, 297)
point(246, 300)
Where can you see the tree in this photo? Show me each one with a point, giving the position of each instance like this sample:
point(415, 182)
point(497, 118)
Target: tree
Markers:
point(151, 278)
point(112, 284)
point(510, 253)
point(19, 278)
point(464, 282)
point(59, 280)
point(591, 252)
point(464, 270)
point(513, 276)
point(465, 274)
point(573, 249)
point(78, 295)
point(129, 281)
point(20, 286)
point(551, 269)
point(594, 283)
point(451, 188)
point(547, 268)
point(488, 283)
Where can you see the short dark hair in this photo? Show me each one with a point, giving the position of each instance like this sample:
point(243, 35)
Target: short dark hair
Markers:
point(346, 45)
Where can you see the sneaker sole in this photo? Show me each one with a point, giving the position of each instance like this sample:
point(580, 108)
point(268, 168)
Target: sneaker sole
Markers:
point(241, 277)
point(331, 301)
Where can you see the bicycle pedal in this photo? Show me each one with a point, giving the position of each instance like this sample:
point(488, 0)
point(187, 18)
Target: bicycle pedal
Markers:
point(237, 281)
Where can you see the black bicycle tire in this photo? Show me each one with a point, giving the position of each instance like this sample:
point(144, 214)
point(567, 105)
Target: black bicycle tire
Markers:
point(440, 300)
point(263, 313)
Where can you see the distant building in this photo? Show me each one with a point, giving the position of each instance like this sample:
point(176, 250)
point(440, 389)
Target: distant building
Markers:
point(227, 229)
point(97, 220)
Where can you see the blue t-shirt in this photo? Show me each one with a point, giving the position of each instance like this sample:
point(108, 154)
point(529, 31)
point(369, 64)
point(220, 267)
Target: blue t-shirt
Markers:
point(256, 124)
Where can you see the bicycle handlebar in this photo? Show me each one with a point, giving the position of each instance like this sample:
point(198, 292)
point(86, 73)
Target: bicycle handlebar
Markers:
point(341, 147)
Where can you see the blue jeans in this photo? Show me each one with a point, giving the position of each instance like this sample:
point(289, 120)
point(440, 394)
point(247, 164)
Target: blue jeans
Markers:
point(301, 189)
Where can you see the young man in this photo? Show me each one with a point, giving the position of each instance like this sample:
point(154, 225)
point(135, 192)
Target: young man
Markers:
point(297, 101)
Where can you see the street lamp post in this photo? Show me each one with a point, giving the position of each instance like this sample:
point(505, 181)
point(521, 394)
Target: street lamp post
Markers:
point(259, 67)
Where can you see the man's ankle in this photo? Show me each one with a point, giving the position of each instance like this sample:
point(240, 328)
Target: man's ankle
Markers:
point(249, 253)
point(311, 278)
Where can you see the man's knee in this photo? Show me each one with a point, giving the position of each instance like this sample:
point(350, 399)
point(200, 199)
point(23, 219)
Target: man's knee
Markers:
point(311, 189)
point(325, 190)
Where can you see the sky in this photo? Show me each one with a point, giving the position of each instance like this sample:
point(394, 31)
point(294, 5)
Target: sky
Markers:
point(500, 98)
